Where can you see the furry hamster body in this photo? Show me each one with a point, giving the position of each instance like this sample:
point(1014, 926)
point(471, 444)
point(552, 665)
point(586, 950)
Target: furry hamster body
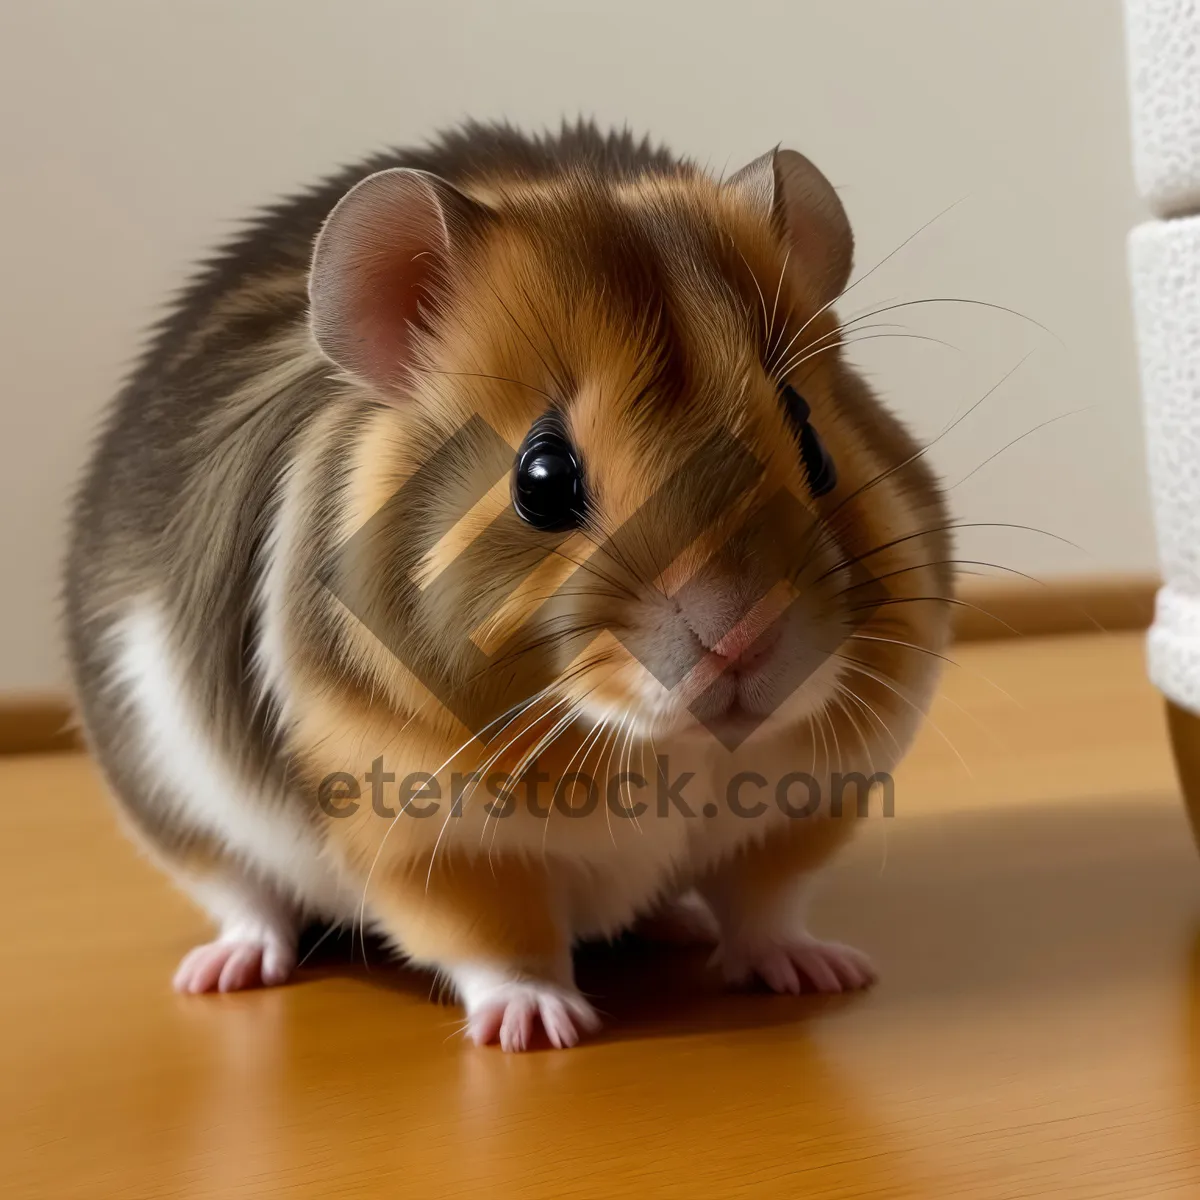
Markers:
point(508, 455)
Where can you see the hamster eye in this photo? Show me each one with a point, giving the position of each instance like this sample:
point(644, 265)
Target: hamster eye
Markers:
point(818, 465)
point(547, 482)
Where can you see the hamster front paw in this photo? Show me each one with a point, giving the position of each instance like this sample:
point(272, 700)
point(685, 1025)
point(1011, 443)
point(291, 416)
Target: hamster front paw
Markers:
point(797, 964)
point(508, 1009)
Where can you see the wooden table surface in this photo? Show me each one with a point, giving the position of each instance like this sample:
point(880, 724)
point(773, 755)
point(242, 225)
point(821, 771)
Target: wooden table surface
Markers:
point(1034, 907)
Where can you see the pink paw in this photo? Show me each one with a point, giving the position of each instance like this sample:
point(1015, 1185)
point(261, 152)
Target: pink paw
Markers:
point(799, 964)
point(510, 1013)
point(233, 963)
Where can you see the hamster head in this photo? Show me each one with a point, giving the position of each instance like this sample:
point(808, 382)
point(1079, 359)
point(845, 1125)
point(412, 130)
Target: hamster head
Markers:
point(613, 461)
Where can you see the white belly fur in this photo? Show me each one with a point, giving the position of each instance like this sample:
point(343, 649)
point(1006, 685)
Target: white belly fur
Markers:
point(203, 789)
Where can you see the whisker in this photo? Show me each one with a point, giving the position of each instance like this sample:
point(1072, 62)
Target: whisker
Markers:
point(825, 758)
point(840, 694)
point(628, 756)
point(778, 290)
point(951, 600)
point(558, 382)
point(487, 766)
point(627, 718)
point(886, 258)
point(1012, 312)
point(890, 471)
point(788, 368)
point(871, 710)
point(860, 637)
point(583, 745)
point(865, 669)
point(497, 378)
point(761, 298)
point(323, 939)
point(546, 742)
point(362, 909)
point(587, 565)
point(1020, 438)
point(850, 562)
point(773, 370)
point(866, 637)
point(450, 812)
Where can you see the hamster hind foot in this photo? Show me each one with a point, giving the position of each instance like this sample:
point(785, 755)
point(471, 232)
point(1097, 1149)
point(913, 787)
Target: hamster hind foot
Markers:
point(256, 945)
point(802, 963)
point(244, 956)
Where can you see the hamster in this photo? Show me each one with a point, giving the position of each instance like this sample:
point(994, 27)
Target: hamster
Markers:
point(495, 547)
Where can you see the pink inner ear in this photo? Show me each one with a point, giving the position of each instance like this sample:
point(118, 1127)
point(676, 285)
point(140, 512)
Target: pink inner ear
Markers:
point(374, 271)
point(384, 309)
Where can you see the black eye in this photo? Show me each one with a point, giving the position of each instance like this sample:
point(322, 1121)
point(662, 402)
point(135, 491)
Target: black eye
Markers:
point(818, 466)
point(547, 485)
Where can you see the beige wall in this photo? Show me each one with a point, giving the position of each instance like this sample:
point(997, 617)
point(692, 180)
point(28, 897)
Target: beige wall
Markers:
point(135, 131)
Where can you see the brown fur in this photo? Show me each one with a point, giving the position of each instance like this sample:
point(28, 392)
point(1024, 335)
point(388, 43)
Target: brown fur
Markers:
point(603, 278)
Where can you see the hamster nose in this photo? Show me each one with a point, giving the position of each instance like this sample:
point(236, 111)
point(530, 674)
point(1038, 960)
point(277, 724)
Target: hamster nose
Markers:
point(748, 643)
point(730, 628)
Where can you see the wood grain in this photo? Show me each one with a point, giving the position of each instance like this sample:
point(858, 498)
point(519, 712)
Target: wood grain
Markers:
point(1034, 906)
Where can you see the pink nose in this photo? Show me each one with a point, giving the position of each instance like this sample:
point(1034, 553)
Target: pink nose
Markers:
point(749, 642)
point(731, 635)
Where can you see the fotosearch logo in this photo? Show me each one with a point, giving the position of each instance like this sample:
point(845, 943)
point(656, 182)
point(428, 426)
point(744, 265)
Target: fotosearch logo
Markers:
point(629, 794)
point(669, 519)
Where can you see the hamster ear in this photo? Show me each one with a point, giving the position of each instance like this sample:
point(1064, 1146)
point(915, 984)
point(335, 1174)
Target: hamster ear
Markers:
point(807, 213)
point(379, 263)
